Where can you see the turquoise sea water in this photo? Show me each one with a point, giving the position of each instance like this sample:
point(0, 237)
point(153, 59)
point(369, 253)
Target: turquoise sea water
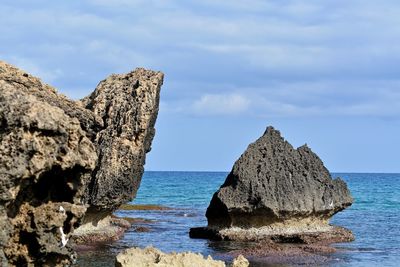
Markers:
point(374, 218)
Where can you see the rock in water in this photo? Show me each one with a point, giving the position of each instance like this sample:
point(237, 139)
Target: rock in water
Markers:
point(58, 157)
point(278, 192)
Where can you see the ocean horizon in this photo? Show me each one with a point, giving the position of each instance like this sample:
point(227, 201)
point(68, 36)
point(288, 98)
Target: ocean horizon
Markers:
point(374, 218)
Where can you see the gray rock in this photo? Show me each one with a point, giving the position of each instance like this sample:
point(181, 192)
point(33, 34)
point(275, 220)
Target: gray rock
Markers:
point(128, 106)
point(274, 189)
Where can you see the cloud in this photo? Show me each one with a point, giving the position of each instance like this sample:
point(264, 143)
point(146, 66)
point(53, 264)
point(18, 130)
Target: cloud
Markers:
point(270, 58)
point(222, 104)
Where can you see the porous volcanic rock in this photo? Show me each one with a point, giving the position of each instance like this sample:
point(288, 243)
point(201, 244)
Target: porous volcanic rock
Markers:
point(152, 257)
point(44, 156)
point(64, 161)
point(128, 105)
point(276, 191)
point(31, 85)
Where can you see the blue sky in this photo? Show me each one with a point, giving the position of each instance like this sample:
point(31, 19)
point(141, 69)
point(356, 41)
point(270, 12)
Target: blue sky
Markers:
point(325, 73)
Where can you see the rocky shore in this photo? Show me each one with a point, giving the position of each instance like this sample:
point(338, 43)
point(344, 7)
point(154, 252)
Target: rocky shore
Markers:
point(65, 162)
point(66, 166)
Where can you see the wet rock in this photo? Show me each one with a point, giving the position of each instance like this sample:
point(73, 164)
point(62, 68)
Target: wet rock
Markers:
point(151, 257)
point(270, 253)
point(276, 192)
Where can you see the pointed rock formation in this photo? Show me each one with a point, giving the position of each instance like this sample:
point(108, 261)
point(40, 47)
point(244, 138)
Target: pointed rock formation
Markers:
point(276, 191)
point(64, 161)
point(128, 106)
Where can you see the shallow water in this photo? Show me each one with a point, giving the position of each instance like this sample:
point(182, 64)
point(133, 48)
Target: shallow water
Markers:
point(374, 218)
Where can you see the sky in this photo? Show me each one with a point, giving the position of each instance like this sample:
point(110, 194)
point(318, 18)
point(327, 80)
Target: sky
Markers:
point(325, 73)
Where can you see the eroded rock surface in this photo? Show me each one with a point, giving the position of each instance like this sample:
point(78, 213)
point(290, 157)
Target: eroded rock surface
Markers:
point(128, 106)
point(59, 157)
point(275, 191)
point(44, 156)
point(152, 257)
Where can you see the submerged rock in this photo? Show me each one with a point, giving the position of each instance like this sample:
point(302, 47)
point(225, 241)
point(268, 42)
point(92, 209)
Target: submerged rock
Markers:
point(152, 257)
point(59, 157)
point(276, 191)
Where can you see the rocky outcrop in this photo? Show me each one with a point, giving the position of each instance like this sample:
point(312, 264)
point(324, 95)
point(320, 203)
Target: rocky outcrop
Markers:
point(128, 106)
point(44, 156)
point(276, 191)
point(151, 257)
point(59, 157)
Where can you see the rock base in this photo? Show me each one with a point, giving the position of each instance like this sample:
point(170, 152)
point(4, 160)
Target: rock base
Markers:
point(327, 235)
point(106, 230)
point(287, 247)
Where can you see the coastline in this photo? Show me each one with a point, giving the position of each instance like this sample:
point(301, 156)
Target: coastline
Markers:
point(169, 228)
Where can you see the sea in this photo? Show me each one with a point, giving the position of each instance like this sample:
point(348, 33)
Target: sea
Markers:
point(374, 218)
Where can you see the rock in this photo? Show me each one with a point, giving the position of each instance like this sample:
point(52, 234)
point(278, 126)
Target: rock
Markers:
point(276, 191)
point(275, 254)
point(106, 230)
point(62, 159)
point(44, 156)
point(31, 85)
point(240, 261)
point(128, 107)
point(151, 257)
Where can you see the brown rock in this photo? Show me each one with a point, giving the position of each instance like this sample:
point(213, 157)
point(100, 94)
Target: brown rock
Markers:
point(58, 156)
point(44, 156)
point(151, 257)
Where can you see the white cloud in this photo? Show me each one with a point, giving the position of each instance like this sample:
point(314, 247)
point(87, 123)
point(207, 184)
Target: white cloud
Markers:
point(276, 58)
point(221, 104)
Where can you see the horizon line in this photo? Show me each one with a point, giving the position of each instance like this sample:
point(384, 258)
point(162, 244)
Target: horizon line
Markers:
point(334, 172)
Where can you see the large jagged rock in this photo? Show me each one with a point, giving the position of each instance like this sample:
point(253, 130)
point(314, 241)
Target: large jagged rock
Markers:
point(276, 191)
point(128, 106)
point(152, 257)
point(59, 157)
point(44, 155)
